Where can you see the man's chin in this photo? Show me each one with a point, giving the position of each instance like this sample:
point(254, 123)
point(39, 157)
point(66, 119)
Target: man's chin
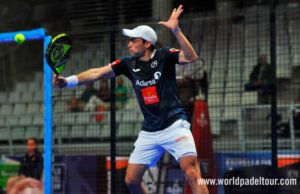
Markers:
point(137, 55)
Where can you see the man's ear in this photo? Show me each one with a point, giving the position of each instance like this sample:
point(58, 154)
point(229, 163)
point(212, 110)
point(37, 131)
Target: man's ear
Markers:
point(148, 44)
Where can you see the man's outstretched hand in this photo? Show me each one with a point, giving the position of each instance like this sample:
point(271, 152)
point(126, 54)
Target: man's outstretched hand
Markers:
point(59, 81)
point(172, 23)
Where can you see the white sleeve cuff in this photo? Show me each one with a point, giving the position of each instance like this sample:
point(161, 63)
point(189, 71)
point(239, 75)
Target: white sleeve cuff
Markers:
point(72, 81)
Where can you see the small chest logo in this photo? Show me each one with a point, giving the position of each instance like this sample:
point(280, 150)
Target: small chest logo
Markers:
point(136, 70)
point(157, 75)
point(154, 64)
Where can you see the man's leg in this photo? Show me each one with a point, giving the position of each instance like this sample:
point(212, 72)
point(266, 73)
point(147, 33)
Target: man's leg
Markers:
point(191, 170)
point(134, 177)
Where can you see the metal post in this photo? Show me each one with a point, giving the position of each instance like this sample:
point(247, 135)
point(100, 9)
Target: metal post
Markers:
point(47, 123)
point(274, 83)
point(112, 20)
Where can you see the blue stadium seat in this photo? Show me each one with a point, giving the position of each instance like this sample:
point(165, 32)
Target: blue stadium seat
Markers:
point(12, 121)
point(5, 134)
point(249, 98)
point(27, 97)
point(21, 87)
point(60, 106)
point(93, 131)
point(19, 109)
point(136, 129)
point(42, 133)
point(130, 115)
point(77, 131)
point(6, 109)
point(38, 120)
point(33, 86)
point(105, 131)
point(119, 116)
point(33, 108)
point(39, 96)
point(25, 120)
point(69, 118)
point(125, 130)
point(2, 121)
point(83, 118)
point(14, 97)
point(32, 132)
point(39, 77)
point(18, 133)
point(3, 97)
point(62, 132)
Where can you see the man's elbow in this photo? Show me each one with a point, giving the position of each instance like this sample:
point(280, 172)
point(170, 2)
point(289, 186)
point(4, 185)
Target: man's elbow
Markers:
point(193, 58)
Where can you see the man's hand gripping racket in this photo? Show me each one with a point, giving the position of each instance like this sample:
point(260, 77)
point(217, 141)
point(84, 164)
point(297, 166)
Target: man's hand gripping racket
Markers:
point(57, 55)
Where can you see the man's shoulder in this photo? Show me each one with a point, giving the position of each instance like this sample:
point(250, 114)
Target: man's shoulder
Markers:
point(167, 50)
point(121, 60)
point(125, 59)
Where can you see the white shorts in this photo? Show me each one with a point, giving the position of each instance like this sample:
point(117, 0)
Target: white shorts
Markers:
point(177, 139)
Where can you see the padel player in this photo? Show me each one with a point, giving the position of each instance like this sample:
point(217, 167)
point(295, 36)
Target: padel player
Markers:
point(152, 74)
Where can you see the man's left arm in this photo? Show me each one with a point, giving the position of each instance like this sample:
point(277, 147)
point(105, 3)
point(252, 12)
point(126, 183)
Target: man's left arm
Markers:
point(187, 53)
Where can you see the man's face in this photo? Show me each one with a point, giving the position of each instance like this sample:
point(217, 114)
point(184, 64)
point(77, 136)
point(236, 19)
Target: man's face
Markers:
point(263, 59)
point(30, 146)
point(136, 47)
point(120, 81)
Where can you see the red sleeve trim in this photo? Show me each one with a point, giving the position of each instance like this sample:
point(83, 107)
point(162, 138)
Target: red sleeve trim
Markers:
point(116, 62)
point(173, 50)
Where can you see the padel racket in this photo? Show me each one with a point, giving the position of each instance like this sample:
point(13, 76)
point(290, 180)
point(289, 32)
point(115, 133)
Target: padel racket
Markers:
point(58, 51)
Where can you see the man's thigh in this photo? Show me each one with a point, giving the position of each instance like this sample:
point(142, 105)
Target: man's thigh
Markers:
point(146, 150)
point(135, 172)
point(178, 140)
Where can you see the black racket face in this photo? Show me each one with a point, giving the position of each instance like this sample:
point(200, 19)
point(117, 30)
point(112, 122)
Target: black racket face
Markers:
point(58, 51)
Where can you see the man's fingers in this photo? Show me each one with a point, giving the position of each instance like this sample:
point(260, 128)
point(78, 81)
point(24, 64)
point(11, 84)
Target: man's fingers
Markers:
point(58, 81)
point(179, 10)
point(179, 7)
point(162, 23)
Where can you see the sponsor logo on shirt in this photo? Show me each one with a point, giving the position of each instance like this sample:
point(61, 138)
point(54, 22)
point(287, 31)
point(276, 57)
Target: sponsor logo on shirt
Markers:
point(150, 95)
point(154, 64)
point(136, 70)
point(145, 83)
point(156, 75)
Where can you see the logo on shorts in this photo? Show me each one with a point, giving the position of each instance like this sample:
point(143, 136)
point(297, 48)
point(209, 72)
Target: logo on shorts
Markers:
point(182, 138)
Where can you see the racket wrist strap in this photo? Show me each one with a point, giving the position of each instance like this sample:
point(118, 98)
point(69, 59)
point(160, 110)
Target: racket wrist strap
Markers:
point(72, 81)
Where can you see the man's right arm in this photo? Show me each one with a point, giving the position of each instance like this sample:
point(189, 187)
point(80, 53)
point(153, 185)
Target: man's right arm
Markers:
point(85, 77)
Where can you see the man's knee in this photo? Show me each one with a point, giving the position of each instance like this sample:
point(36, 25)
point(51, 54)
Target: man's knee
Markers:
point(192, 174)
point(132, 181)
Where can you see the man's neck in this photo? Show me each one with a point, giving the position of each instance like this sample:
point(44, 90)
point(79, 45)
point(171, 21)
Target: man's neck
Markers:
point(30, 154)
point(148, 55)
